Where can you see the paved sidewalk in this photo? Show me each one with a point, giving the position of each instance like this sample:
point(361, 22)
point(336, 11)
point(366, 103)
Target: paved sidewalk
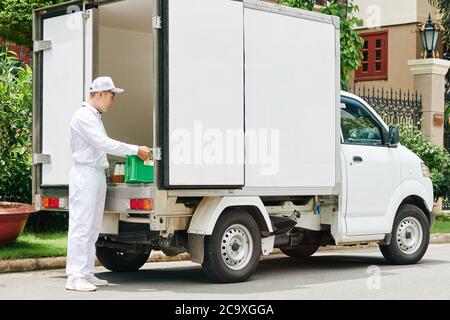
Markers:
point(156, 256)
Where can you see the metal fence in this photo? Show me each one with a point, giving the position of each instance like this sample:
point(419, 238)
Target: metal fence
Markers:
point(393, 106)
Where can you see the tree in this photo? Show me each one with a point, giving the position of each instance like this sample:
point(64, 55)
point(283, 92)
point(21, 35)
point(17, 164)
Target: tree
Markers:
point(15, 129)
point(16, 19)
point(435, 158)
point(444, 9)
point(351, 42)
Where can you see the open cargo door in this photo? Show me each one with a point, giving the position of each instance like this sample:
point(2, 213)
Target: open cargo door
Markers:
point(66, 56)
point(203, 102)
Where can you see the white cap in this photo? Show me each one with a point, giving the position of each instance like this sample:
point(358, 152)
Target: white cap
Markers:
point(104, 84)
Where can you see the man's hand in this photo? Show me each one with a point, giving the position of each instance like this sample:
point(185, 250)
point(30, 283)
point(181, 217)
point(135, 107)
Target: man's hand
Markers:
point(145, 153)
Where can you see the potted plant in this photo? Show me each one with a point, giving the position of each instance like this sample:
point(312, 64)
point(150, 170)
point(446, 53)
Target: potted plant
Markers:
point(13, 218)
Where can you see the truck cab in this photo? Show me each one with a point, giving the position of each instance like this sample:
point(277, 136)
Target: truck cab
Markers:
point(372, 157)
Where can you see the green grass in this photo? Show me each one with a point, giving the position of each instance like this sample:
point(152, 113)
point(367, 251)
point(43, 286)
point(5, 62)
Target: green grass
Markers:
point(30, 245)
point(442, 225)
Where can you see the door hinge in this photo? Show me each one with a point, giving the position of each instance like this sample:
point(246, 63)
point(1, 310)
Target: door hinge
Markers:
point(157, 154)
point(86, 15)
point(156, 22)
point(42, 45)
point(41, 158)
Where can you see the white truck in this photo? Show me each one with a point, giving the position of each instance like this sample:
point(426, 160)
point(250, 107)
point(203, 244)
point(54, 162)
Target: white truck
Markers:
point(255, 145)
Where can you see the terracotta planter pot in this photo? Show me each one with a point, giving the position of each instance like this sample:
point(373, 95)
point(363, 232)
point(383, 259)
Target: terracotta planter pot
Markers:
point(13, 218)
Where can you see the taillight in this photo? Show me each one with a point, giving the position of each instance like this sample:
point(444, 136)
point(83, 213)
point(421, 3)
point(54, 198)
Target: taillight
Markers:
point(148, 204)
point(141, 204)
point(53, 203)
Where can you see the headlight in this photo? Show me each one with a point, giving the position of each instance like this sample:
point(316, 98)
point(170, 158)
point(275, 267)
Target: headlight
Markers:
point(425, 170)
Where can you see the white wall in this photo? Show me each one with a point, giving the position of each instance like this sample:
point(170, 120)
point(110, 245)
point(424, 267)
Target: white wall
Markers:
point(127, 56)
point(381, 13)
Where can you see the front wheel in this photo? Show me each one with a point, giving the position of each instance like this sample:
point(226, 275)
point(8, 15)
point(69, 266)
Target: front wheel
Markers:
point(119, 260)
point(410, 236)
point(233, 251)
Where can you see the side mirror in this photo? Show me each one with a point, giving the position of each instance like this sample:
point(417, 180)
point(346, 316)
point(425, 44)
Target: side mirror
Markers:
point(394, 137)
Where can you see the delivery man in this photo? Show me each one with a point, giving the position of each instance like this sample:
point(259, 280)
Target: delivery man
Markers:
point(87, 182)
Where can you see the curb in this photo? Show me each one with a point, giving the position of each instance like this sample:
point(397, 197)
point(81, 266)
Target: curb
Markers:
point(23, 265)
point(35, 264)
point(440, 238)
point(32, 264)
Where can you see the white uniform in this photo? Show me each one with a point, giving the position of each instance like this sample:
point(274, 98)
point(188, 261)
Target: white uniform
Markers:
point(87, 187)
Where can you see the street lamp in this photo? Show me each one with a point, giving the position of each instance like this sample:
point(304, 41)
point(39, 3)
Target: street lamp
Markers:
point(429, 34)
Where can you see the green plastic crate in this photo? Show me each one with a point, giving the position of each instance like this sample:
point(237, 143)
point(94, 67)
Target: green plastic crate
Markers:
point(137, 172)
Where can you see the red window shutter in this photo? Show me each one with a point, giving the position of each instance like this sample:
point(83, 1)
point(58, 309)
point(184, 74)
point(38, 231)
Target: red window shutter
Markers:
point(375, 57)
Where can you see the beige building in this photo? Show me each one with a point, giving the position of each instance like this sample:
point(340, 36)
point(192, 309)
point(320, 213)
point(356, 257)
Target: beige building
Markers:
point(391, 39)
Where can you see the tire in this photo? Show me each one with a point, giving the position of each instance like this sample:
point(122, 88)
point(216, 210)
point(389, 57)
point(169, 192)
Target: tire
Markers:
point(302, 251)
point(410, 236)
point(233, 251)
point(118, 260)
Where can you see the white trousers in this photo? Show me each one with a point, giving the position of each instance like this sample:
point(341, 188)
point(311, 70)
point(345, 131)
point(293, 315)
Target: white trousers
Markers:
point(87, 192)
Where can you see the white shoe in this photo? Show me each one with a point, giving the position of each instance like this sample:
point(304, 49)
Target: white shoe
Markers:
point(96, 281)
point(80, 284)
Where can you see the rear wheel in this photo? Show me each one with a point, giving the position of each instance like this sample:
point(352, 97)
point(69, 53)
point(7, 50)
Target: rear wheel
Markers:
point(410, 236)
point(119, 260)
point(233, 251)
point(302, 251)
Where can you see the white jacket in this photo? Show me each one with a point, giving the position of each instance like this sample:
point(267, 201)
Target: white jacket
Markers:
point(90, 142)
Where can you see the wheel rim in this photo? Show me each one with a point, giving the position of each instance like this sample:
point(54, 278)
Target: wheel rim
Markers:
point(409, 235)
point(236, 247)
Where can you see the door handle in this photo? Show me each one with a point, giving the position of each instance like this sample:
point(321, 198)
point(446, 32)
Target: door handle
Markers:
point(357, 159)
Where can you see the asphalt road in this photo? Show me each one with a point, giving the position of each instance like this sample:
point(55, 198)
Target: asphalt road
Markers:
point(346, 274)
